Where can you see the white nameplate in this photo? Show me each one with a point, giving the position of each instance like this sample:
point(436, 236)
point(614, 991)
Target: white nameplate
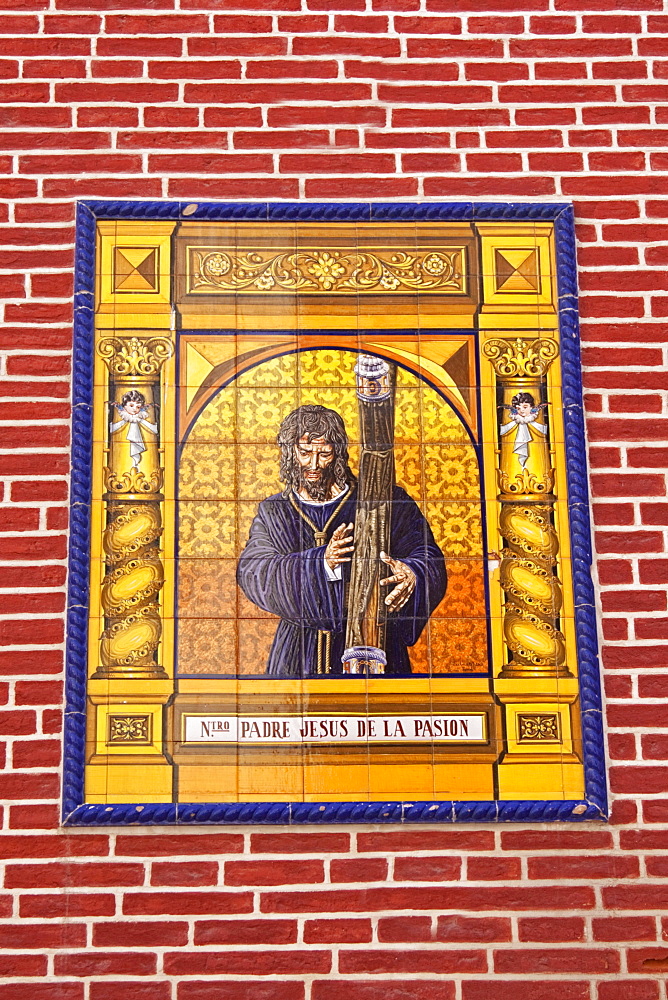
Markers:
point(334, 729)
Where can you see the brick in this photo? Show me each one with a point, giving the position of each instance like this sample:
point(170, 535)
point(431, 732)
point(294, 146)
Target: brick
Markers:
point(244, 46)
point(428, 840)
point(493, 869)
point(654, 513)
point(22, 965)
point(31, 576)
point(657, 867)
point(235, 188)
point(299, 843)
point(629, 989)
point(426, 25)
point(75, 875)
point(543, 116)
point(386, 989)
point(66, 163)
point(238, 931)
point(396, 930)
point(572, 960)
point(288, 117)
point(142, 934)
point(568, 840)
point(243, 989)
point(40, 69)
point(272, 92)
point(647, 960)
point(33, 817)
point(105, 187)
point(639, 600)
point(635, 404)
point(36, 117)
point(427, 94)
point(654, 812)
point(96, 963)
point(266, 139)
point(18, 24)
point(255, 963)
point(397, 140)
point(454, 48)
point(413, 71)
point(602, 866)
point(548, 929)
point(602, 457)
point(412, 961)
point(139, 46)
point(372, 187)
point(430, 869)
point(476, 930)
point(618, 687)
point(110, 990)
point(187, 873)
point(337, 931)
point(226, 24)
point(51, 990)
point(511, 989)
point(30, 662)
point(358, 870)
point(631, 779)
point(615, 658)
point(624, 928)
point(273, 872)
point(473, 187)
point(307, 23)
point(623, 811)
point(429, 898)
point(185, 903)
point(614, 514)
point(167, 844)
point(194, 69)
point(653, 686)
point(108, 93)
point(27, 936)
point(72, 904)
point(71, 24)
point(503, 162)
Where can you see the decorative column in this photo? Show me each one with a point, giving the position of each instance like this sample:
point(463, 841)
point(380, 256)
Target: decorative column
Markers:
point(133, 478)
point(533, 593)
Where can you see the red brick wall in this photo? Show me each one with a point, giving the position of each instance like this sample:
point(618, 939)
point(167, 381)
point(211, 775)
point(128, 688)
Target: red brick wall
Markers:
point(324, 99)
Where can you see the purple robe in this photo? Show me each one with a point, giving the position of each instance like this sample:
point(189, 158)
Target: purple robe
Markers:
point(283, 571)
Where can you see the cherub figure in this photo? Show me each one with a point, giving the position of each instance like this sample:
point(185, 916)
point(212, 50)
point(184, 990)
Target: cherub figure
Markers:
point(132, 410)
point(523, 418)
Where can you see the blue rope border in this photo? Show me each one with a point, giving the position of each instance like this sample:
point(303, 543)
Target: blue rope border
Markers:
point(75, 811)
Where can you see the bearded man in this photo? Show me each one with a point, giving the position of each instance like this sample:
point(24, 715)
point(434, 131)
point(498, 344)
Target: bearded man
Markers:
point(295, 563)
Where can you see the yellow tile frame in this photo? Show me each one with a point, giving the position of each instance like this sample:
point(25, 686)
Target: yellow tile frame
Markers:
point(512, 768)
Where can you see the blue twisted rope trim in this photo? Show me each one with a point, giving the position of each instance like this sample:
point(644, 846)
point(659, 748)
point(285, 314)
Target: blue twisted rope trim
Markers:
point(80, 496)
point(75, 811)
point(578, 506)
point(291, 813)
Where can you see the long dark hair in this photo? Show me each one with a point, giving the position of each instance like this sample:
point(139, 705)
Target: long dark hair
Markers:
point(313, 421)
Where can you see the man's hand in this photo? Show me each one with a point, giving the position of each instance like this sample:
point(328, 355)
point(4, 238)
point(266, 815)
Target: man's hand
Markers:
point(403, 576)
point(339, 545)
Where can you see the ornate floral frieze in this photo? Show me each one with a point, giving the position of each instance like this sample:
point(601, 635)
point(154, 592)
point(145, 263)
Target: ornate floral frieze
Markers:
point(213, 270)
point(538, 728)
point(129, 729)
point(521, 358)
point(133, 481)
point(135, 355)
